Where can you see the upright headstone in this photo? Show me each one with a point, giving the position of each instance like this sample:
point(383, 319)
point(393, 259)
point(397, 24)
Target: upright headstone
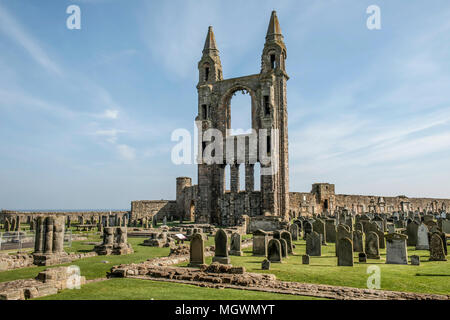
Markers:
point(313, 244)
point(274, 251)
point(422, 238)
point(221, 247)
point(319, 227)
point(436, 248)
point(308, 228)
point(235, 245)
point(358, 241)
point(345, 252)
point(396, 249)
point(265, 265)
point(372, 246)
point(197, 251)
point(342, 231)
point(260, 240)
point(284, 249)
point(359, 226)
point(411, 232)
point(415, 260)
point(391, 228)
point(330, 230)
point(305, 259)
point(293, 228)
point(362, 257)
point(287, 237)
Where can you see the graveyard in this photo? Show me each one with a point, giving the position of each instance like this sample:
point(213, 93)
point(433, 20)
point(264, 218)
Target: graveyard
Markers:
point(238, 232)
point(299, 256)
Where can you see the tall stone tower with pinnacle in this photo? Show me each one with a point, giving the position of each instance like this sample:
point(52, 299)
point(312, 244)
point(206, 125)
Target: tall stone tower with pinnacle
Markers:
point(267, 89)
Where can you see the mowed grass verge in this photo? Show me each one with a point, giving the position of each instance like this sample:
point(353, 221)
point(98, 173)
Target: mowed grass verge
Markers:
point(136, 289)
point(94, 267)
point(429, 277)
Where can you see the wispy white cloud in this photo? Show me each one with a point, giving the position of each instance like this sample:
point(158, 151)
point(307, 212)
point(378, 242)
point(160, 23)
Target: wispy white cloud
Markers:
point(11, 28)
point(126, 152)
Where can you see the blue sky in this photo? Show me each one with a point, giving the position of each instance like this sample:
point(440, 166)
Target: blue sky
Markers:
point(86, 115)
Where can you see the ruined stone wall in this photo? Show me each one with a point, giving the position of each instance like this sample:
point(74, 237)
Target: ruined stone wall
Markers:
point(234, 205)
point(25, 216)
point(302, 203)
point(379, 204)
point(149, 208)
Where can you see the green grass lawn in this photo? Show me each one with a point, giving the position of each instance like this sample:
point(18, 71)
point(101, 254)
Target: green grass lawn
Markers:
point(429, 277)
point(136, 289)
point(93, 268)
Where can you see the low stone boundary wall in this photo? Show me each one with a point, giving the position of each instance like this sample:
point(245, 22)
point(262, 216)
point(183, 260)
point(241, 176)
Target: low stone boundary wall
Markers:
point(217, 276)
point(47, 282)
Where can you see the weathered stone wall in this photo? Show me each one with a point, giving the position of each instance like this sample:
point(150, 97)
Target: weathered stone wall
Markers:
point(47, 282)
point(17, 261)
point(25, 216)
point(150, 208)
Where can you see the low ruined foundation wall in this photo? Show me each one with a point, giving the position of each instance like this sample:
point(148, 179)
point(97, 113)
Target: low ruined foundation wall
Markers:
point(18, 261)
point(47, 282)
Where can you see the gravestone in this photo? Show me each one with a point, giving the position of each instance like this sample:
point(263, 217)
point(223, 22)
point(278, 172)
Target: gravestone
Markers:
point(265, 265)
point(358, 242)
point(422, 238)
point(197, 251)
point(235, 245)
point(411, 232)
point(330, 230)
point(294, 231)
point(313, 244)
point(436, 248)
point(284, 249)
point(444, 241)
point(372, 247)
point(308, 228)
point(260, 239)
point(359, 226)
point(415, 260)
point(380, 222)
point(381, 239)
point(391, 228)
point(319, 227)
point(221, 247)
point(287, 237)
point(305, 259)
point(362, 257)
point(342, 231)
point(396, 249)
point(345, 252)
point(274, 251)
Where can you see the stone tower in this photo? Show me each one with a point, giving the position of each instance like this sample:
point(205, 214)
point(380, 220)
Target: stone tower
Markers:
point(269, 111)
point(182, 184)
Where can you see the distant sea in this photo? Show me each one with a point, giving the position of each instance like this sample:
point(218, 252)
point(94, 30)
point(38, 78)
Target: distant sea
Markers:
point(66, 210)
